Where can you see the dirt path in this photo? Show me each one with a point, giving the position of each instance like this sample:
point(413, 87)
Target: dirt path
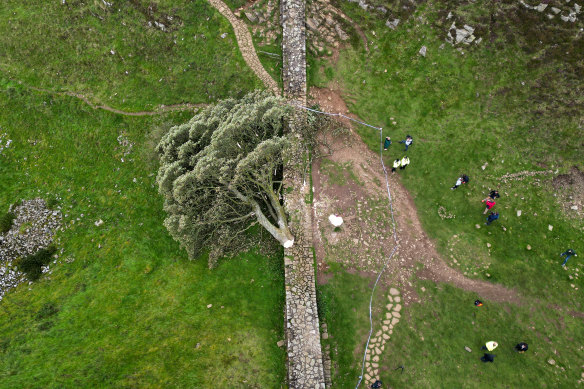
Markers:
point(246, 45)
point(366, 235)
point(160, 109)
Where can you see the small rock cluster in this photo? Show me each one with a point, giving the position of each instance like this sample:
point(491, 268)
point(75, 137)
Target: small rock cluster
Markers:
point(462, 35)
point(264, 20)
point(377, 343)
point(32, 230)
point(323, 27)
point(567, 12)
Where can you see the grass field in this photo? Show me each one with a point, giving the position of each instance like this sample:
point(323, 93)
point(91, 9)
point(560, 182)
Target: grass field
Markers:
point(132, 55)
point(133, 312)
point(510, 106)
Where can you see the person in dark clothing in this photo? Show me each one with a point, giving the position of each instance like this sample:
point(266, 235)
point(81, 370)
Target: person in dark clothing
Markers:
point(494, 194)
point(521, 347)
point(387, 143)
point(461, 180)
point(568, 253)
point(408, 142)
point(478, 303)
point(492, 217)
point(488, 358)
point(376, 385)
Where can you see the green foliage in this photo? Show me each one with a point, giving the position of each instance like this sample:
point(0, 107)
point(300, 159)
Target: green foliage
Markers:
point(6, 221)
point(221, 171)
point(132, 313)
point(31, 264)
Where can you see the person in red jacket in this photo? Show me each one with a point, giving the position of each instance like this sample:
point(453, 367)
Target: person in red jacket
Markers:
point(490, 204)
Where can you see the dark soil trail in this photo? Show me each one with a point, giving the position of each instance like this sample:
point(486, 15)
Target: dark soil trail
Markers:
point(361, 235)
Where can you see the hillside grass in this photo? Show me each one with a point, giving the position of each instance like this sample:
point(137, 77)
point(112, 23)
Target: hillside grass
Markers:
point(124, 307)
point(505, 102)
point(117, 55)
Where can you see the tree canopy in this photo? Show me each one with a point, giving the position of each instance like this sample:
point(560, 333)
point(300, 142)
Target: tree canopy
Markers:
point(221, 173)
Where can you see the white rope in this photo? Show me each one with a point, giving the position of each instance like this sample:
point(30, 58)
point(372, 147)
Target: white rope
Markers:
point(392, 220)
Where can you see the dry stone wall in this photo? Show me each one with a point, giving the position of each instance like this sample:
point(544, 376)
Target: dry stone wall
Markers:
point(305, 364)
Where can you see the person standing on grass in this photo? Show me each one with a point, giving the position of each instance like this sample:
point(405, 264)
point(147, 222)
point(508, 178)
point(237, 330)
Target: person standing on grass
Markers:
point(490, 204)
point(408, 142)
point(461, 180)
point(490, 346)
point(492, 217)
point(521, 347)
point(387, 143)
point(488, 358)
point(494, 194)
point(396, 164)
point(405, 161)
point(568, 253)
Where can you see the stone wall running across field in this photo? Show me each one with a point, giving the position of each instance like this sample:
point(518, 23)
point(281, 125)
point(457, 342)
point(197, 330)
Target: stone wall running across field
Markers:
point(305, 364)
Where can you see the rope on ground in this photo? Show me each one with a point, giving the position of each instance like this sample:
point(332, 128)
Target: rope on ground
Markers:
point(392, 220)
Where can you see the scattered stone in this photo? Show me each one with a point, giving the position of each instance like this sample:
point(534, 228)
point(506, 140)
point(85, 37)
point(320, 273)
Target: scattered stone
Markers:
point(251, 16)
point(209, 306)
point(574, 207)
point(393, 291)
point(389, 306)
point(477, 226)
point(541, 7)
point(325, 335)
point(550, 227)
point(398, 307)
point(422, 51)
point(551, 362)
point(528, 247)
point(281, 343)
point(396, 314)
point(468, 349)
point(98, 223)
point(397, 299)
point(518, 213)
point(392, 24)
point(224, 35)
point(488, 245)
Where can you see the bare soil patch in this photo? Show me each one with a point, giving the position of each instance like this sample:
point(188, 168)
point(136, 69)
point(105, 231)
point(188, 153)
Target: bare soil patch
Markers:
point(356, 191)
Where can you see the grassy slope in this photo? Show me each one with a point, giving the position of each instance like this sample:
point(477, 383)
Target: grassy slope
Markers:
point(132, 312)
point(68, 47)
point(499, 104)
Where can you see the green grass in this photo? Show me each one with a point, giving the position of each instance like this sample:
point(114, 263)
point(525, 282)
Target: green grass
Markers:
point(69, 47)
point(343, 304)
point(430, 344)
point(129, 309)
point(511, 102)
point(435, 100)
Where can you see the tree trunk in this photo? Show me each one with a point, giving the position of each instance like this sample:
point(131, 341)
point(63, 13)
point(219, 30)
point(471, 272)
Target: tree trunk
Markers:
point(282, 232)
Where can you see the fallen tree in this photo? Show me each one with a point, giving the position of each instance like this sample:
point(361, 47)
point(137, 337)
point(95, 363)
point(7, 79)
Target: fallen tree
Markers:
point(221, 173)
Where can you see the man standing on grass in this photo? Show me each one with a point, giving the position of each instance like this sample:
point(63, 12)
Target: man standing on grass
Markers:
point(492, 217)
point(408, 142)
point(396, 164)
point(405, 161)
point(461, 180)
point(387, 143)
point(568, 253)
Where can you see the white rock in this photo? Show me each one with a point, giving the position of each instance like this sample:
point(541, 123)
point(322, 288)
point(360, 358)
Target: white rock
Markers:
point(422, 51)
point(287, 244)
point(519, 213)
point(98, 223)
point(574, 207)
point(550, 227)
